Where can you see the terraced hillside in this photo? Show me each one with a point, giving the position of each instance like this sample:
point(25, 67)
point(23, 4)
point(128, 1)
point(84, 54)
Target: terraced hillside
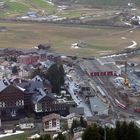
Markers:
point(12, 8)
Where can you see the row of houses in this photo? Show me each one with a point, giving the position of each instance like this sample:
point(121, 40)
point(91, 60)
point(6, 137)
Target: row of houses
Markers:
point(31, 58)
point(54, 122)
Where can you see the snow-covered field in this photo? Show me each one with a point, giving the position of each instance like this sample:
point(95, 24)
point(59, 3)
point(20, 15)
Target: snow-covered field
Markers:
point(11, 134)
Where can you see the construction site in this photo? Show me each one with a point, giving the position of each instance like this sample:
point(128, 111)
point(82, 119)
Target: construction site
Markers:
point(116, 80)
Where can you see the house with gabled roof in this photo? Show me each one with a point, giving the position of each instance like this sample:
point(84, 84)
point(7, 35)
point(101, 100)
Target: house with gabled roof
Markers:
point(11, 100)
point(42, 100)
point(51, 122)
point(46, 103)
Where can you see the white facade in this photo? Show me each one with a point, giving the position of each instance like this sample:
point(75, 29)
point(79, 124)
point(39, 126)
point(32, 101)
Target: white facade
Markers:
point(38, 107)
point(51, 127)
point(70, 121)
point(26, 125)
point(24, 73)
point(72, 117)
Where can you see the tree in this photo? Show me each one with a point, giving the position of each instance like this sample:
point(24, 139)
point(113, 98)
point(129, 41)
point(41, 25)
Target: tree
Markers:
point(60, 137)
point(102, 132)
point(133, 132)
point(91, 133)
point(56, 77)
point(47, 137)
point(75, 124)
point(83, 123)
point(37, 72)
point(62, 74)
point(118, 131)
point(126, 131)
point(123, 131)
point(110, 134)
point(14, 70)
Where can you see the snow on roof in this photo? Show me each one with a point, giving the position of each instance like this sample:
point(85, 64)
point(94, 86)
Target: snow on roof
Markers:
point(3, 84)
point(72, 115)
point(38, 96)
point(47, 63)
point(37, 78)
point(22, 89)
point(119, 78)
point(97, 105)
point(50, 117)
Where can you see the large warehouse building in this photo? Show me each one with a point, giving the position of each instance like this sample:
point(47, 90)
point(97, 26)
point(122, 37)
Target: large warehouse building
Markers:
point(98, 68)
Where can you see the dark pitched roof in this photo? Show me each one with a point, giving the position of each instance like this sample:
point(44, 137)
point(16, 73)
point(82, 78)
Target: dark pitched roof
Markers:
point(31, 86)
point(76, 110)
point(26, 120)
point(4, 83)
point(50, 117)
point(40, 95)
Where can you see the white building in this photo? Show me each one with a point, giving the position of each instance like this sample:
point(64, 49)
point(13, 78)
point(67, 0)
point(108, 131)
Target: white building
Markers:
point(26, 123)
point(51, 122)
point(71, 117)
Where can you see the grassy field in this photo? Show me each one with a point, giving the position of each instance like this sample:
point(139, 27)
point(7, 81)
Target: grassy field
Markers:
point(99, 40)
point(105, 2)
point(15, 8)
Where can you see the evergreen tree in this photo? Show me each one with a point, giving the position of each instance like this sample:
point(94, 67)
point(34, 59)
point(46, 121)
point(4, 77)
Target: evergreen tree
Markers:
point(54, 78)
point(62, 74)
point(83, 123)
point(14, 70)
point(47, 137)
point(133, 132)
point(126, 131)
point(36, 72)
point(118, 131)
point(75, 124)
point(60, 137)
point(110, 134)
point(102, 132)
point(123, 131)
point(91, 133)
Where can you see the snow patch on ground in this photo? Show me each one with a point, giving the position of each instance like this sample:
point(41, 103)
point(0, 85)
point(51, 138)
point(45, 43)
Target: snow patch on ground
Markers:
point(133, 45)
point(11, 134)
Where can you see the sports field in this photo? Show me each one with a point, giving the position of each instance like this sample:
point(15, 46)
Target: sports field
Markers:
point(99, 40)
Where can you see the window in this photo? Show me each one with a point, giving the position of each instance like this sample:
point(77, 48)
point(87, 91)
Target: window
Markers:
point(54, 123)
point(47, 124)
point(19, 103)
point(39, 107)
point(2, 104)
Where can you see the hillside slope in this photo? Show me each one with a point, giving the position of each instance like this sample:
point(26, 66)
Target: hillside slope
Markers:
point(103, 2)
point(10, 8)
